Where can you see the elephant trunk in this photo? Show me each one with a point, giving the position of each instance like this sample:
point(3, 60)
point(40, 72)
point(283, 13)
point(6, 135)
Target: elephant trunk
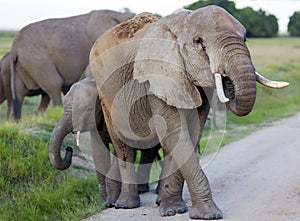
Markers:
point(63, 127)
point(244, 90)
point(238, 76)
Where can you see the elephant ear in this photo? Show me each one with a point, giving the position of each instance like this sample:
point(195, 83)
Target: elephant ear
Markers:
point(159, 62)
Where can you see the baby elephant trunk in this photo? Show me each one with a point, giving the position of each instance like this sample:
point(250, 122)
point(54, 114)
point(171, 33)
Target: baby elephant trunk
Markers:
point(63, 127)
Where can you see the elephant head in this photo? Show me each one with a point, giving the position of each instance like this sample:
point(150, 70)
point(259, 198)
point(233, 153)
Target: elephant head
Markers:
point(5, 85)
point(82, 112)
point(5, 78)
point(2, 95)
point(205, 48)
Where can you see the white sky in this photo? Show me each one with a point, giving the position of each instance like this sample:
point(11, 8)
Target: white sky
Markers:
point(15, 14)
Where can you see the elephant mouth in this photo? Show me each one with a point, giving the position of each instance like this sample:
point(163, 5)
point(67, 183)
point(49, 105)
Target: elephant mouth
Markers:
point(228, 87)
point(224, 87)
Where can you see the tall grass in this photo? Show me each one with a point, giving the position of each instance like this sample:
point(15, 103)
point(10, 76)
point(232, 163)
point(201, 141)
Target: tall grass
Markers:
point(31, 189)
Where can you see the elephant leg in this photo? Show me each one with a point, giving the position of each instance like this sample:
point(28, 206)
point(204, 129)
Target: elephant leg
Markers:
point(144, 168)
point(20, 91)
point(112, 183)
point(203, 206)
point(9, 113)
point(171, 187)
point(179, 139)
point(102, 186)
point(101, 157)
point(129, 197)
point(44, 102)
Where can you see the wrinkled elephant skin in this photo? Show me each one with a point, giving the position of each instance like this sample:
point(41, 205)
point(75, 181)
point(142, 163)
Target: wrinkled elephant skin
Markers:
point(83, 113)
point(155, 79)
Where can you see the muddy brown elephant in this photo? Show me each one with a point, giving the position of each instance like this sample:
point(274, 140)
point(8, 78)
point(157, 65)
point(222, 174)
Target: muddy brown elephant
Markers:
point(83, 113)
point(52, 54)
point(161, 74)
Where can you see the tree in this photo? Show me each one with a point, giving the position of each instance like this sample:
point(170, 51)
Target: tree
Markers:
point(228, 5)
point(257, 23)
point(294, 24)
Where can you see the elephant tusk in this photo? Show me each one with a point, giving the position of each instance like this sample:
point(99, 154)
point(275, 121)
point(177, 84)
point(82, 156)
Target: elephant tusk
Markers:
point(220, 90)
point(268, 83)
point(77, 138)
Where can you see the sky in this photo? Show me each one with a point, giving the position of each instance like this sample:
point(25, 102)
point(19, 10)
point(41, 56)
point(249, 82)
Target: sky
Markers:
point(15, 14)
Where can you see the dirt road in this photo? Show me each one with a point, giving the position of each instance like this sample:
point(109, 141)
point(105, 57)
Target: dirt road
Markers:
point(254, 179)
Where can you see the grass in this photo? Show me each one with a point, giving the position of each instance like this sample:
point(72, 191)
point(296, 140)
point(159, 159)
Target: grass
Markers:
point(31, 189)
point(6, 39)
point(278, 59)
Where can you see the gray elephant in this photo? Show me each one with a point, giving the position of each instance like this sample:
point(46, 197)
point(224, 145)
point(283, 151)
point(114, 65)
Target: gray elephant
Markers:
point(5, 88)
point(161, 74)
point(83, 113)
point(52, 54)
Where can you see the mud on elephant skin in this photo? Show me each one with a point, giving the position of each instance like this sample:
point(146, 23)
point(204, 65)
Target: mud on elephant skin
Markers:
point(83, 113)
point(6, 91)
point(52, 54)
point(162, 73)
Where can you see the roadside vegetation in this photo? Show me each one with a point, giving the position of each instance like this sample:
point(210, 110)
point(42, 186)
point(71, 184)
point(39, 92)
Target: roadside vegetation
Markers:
point(31, 189)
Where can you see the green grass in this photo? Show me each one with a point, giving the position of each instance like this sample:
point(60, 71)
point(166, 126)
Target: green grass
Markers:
point(6, 39)
point(31, 189)
point(273, 104)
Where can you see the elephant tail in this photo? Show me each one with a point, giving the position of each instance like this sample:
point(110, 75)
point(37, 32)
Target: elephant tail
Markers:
point(13, 72)
point(13, 61)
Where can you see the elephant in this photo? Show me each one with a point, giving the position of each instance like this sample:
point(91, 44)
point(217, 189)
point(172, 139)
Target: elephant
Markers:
point(83, 113)
point(155, 79)
point(52, 54)
point(5, 88)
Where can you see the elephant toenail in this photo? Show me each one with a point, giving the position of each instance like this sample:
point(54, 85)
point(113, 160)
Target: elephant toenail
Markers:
point(170, 212)
point(219, 215)
point(208, 216)
point(182, 210)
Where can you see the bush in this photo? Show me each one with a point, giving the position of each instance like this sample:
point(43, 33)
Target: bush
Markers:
point(257, 23)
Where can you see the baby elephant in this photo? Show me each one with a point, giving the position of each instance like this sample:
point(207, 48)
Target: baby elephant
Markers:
point(83, 113)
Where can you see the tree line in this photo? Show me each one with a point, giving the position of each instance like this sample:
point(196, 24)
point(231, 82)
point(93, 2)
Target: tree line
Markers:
point(258, 23)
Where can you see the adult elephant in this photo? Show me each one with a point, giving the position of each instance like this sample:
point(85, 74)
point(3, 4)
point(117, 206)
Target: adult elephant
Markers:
point(162, 72)
point(83, 113)
point(5, 88)
point(52, 54)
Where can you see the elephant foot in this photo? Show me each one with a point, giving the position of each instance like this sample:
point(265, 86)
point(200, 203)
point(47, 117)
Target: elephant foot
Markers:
point(168, 208)
point(111, 198)
point(143, 187)
point(205, 210)
point(128, 200)
point(113, 191)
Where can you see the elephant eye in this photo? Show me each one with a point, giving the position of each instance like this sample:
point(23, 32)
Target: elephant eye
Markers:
point(199, 41)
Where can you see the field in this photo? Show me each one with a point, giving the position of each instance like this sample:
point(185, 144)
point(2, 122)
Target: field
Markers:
point(31, 189)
